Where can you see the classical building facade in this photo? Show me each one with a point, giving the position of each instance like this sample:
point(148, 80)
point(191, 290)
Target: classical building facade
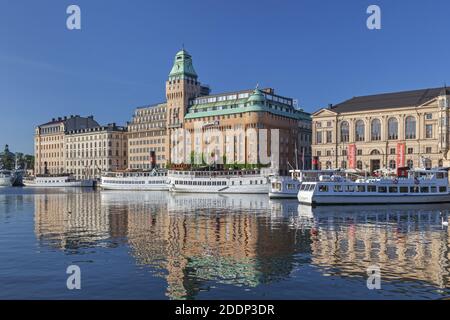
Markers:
point(91, 151)
point(384, 131)
point(49, 142)
point(147, 132)
point(190, 106)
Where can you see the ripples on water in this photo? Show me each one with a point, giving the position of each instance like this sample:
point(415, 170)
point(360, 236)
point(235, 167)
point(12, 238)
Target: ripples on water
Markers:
point(159, 245)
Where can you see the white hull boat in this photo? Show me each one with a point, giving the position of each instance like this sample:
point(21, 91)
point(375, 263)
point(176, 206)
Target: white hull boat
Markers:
point(62, 181)
point(156, 181)
point(243, 182)
point(418, 186)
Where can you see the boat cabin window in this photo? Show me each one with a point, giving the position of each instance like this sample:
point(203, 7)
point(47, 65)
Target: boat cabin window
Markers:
point(404, 189)
point(337, 188)
point(424, 189)
point(393, 189)
point(382, 189)
point(442, 189)
point(349, 188)
point(371, 188)
point(323, 188)
point(414, 189)
point(433, 189)
point(361, 188)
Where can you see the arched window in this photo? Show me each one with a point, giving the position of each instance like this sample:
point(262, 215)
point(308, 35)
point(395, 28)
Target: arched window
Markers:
point(376, 130)
point(359, 130)
point(428, 163)
point(410, 163)
point(392, 164)
point(374, 152)
point(328, 165)
point(392, 129)
point(359, 165)
point(344, 131)
point(410, 127)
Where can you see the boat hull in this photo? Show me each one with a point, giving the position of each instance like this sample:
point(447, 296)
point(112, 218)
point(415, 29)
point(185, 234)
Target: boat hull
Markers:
point(72, 184)
point(159, 187)
point(282, 195)
point(372, 199)
point(6, 181)
point(256, 189)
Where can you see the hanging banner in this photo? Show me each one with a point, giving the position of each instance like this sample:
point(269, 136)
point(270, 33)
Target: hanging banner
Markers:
point(351, 156)
point(401, 154)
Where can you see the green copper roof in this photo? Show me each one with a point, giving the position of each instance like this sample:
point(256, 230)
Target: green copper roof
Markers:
point(182, 65)
point(257, 96)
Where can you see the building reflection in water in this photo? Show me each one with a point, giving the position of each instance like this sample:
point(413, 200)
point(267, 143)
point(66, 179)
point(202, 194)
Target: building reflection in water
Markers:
point(195, 241)
point(406, 243)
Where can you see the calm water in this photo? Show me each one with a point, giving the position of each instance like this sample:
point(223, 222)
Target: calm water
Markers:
point(157, 245)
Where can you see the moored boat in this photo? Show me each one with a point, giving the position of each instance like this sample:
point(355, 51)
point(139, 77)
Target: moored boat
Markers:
point(225, 181)
point(408, 186)
point(289, 186)
point(143, 180)
point(63, 180)
point(6, 178)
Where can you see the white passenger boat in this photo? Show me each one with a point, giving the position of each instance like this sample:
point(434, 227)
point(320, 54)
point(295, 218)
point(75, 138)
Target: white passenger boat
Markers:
point(409, 186)
point(226, 181)
point(289, 186)
point(144, 180)
point(59, 181)
point(6, 178)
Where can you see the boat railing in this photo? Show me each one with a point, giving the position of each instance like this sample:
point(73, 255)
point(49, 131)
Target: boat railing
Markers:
point(209, 174)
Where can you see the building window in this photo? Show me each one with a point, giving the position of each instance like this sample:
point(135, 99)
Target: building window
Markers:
point(329, 136)
point(410, 150)
point(359, 152)
point(328, 153)
point(410, 163)
point(428, 149)
point(344, 152)
point(374, 152)
point(392, 151)
point(392, 164)
point(359, 130)
point(319, 153)
point(359, 165)
point(427, 163)
point(344, 164)
point(344, 131)
point(392, 129)
point(319, 137)
point(428, 116)
point(429, 131)
point(376, 130)
point(410, 127)
point(328, 165)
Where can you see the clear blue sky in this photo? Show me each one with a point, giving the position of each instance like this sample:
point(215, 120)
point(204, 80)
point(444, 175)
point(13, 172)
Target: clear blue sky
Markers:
point(319, 52)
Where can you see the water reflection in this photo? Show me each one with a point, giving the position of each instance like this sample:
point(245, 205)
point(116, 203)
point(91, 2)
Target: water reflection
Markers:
point(196, 241)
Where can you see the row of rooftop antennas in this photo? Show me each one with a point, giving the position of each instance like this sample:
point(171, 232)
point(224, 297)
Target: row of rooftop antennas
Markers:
point(69, 117)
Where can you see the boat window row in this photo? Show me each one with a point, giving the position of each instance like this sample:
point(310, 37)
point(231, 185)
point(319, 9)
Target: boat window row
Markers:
point(374, 188)
point(134, 182)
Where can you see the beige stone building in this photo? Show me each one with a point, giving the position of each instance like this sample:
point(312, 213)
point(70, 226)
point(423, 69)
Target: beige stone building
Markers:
point(384, 131)
point(91, 151)
point(190, 106)
point(147, 133)
point(49, 142)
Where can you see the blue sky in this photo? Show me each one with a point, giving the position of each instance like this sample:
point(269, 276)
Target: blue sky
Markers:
point(318, 52)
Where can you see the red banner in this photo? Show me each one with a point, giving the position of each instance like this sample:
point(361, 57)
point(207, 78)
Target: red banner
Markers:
point(351, 156)
point(401, 154)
